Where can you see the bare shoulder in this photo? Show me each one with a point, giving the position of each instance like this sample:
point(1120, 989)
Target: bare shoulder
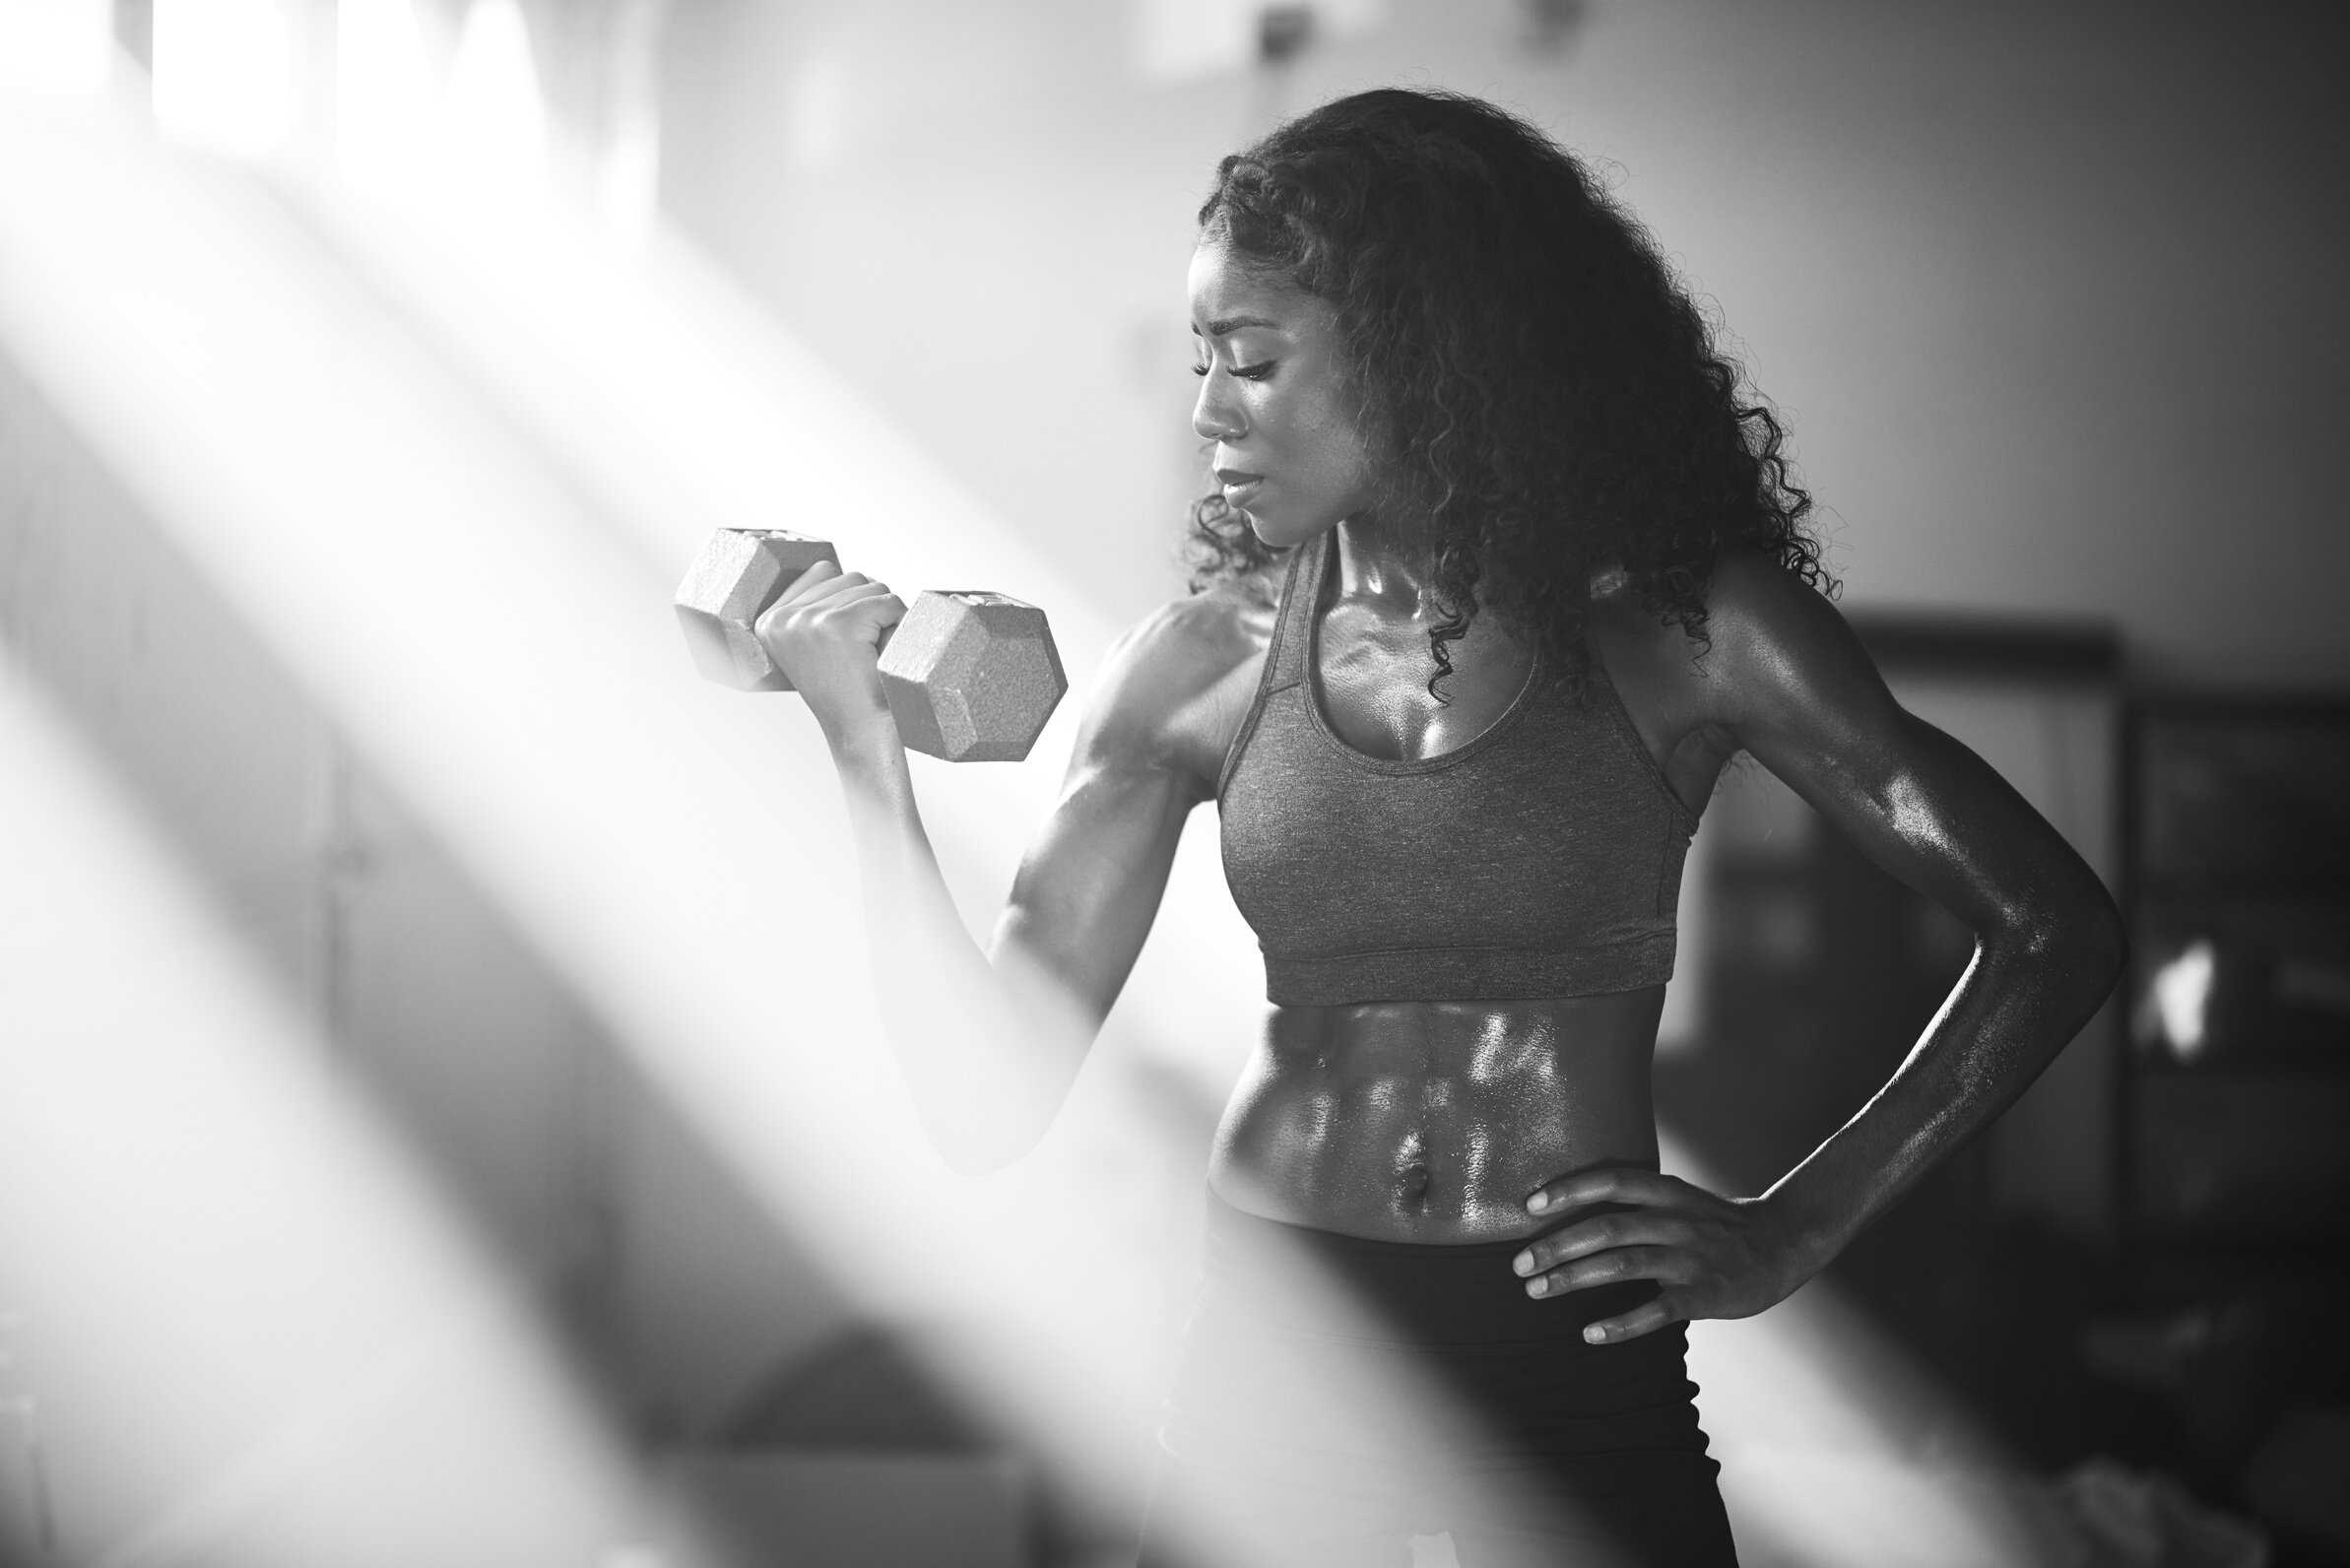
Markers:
point(1777, 647)
point(1773, 660)
point(1177, 684)
point(1187, 647)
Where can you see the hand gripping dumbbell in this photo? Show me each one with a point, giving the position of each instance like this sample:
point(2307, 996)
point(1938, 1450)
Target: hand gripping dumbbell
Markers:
point(970, 677)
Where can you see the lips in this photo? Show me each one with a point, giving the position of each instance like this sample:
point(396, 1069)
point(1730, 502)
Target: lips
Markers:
point(1238, 483)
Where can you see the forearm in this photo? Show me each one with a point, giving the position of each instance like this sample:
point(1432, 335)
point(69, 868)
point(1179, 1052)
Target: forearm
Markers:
point(987, 1056)
point(2027, 994)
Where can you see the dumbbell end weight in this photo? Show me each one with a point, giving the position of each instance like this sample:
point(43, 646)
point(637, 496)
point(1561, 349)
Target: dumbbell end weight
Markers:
point(739, 573)
point(972, 677)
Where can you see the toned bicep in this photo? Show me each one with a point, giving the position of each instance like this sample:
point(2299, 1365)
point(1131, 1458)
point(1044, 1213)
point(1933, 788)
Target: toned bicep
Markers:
point(1172, 693)
point(1091, 882)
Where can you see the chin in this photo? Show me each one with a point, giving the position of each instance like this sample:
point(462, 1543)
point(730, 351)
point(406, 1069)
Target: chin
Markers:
point(1279, 534)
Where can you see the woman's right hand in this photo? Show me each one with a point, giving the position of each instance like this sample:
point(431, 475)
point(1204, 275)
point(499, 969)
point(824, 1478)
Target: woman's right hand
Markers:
point(825, 634)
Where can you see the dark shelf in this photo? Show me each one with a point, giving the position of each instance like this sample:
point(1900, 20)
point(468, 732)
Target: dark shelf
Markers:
point(2238, 813)
point(2245, 797)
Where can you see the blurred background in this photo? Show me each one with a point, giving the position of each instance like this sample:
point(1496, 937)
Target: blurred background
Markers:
point(442, 1117)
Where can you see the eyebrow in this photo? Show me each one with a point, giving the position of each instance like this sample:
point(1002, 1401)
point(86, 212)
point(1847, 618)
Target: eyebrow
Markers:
point(1231, 324)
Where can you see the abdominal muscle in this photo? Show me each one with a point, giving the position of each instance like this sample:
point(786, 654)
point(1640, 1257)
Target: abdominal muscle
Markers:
point(1432, 1122)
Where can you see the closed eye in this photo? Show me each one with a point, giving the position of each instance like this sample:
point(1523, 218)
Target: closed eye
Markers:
point(1247, 372)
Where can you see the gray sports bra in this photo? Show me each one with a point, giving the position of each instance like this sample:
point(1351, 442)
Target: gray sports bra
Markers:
point(1543, 859)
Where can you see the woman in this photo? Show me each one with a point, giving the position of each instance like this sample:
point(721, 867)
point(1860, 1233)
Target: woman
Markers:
point(1499, 576)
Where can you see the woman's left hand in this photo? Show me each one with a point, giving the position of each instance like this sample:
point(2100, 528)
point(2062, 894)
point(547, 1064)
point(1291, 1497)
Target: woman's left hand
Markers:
point(1714, 1257)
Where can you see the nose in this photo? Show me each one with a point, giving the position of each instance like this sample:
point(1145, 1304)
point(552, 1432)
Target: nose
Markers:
point(1215, 418)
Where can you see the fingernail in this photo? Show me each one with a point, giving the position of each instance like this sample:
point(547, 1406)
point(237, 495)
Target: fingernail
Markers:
point(1523, 1263)
point(1539, 1202)
point(1537, 1288)
point(1593, 1334)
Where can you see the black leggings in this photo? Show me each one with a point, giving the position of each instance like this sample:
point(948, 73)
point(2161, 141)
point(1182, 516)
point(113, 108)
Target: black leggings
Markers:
point(1297, 1448)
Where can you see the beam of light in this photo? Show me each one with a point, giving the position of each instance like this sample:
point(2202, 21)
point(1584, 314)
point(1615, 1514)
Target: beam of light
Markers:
point(223, 74)
point(1837, 1452)
point(57, 45)
point(386, 94)
point(517, 672)
point(508, 659)
point(492, 115)
point(628, 178)
point(459, 520)
point(251, 1337)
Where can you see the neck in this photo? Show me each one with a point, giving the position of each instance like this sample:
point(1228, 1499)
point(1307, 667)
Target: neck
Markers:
point(1388, 569)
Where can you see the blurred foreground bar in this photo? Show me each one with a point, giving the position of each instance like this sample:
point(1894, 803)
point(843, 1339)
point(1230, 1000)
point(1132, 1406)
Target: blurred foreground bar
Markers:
point(811, 1509)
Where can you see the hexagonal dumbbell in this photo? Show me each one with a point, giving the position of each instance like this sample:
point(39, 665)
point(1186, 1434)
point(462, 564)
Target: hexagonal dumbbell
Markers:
point(739, 573)
point(970, 675)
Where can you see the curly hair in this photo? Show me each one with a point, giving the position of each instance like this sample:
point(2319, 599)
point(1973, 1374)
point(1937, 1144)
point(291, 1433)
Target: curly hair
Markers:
point(1540, 393)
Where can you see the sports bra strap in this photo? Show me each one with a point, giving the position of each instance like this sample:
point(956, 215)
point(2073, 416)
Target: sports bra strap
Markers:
point(1293, 627)
point(1285, 655)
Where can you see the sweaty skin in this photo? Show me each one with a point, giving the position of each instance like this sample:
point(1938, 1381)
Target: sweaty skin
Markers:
point(1432, 1121)
point(1446, 1122)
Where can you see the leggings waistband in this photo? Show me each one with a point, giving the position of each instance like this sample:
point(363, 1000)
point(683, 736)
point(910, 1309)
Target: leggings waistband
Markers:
point(1459, 1295)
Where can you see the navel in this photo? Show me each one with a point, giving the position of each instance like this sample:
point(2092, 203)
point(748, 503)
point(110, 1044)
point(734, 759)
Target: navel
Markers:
point(1412, 1171)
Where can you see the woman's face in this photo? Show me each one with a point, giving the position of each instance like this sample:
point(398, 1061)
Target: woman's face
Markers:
point(1274, 397)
